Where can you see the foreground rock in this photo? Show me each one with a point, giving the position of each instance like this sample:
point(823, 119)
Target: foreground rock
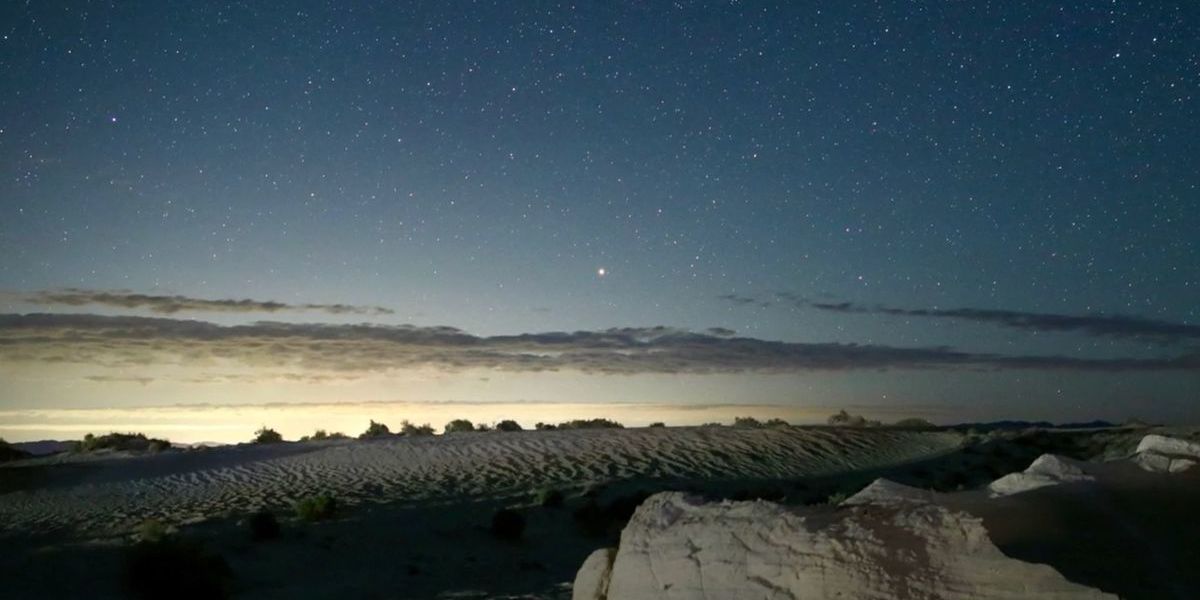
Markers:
point(887, 542)
point(1162, 454)
point(1048, 469)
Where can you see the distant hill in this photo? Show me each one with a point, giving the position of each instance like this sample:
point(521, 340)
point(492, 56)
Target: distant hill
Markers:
point(44, 447)
point(9, 452)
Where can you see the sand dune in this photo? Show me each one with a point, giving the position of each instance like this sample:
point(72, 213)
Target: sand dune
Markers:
point(113, 493)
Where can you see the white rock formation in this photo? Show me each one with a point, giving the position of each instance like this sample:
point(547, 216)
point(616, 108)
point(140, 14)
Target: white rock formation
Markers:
point(878, 547)
point(1048, 469)
point(591, 583)
point(1163, 454)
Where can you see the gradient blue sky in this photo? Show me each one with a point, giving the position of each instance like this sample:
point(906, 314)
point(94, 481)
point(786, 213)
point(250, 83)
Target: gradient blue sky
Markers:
point(743, 165)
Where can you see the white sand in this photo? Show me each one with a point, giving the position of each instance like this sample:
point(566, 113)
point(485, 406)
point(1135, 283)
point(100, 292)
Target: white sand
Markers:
point(105, 495)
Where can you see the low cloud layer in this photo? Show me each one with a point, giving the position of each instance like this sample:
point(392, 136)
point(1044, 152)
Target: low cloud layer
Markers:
point(1096, 325)
point(125, 342)
point(173, 304)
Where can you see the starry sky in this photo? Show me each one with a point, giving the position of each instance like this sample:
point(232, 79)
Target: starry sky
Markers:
point(953, 210)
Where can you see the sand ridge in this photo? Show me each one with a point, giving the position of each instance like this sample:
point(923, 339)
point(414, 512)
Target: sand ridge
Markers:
point(114, 494)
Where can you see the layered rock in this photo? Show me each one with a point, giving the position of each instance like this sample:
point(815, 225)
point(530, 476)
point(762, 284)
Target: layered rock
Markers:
point(1048, 469)
point(1162, 454)
point(887, 542)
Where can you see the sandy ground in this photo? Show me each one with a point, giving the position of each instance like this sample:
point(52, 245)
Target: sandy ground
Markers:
point(417, 510)
point(416, 516)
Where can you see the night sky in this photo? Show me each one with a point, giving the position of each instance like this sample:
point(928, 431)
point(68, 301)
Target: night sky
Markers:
point(954, 210)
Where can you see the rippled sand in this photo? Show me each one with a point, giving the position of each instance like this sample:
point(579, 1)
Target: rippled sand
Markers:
point(113, 493)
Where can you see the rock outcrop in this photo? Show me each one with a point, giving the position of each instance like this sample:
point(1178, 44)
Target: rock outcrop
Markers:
point(1048, 469)
point(1162, 454)
point(592, 580)
point(886, 542)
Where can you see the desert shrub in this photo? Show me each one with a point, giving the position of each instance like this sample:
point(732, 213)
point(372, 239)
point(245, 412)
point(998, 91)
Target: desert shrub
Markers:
point(777, 422)
point(407, 428)
point(540, 426)
point(137, 442)
point(267, 436)
point(175, 568)
point(263, 526)
point(321, 434)
point(7, 452)
point(550, 498)
point(459, 425)
point(375, 430)
point(845, 419)
point(836, 498)
point(316, 508)
point(712, 424)
point(914, 423)
point(508, 524)
point(595, 520)
point(747, 422)
point(508, 425)
point(657, 424)
point(483, 427)
point(590, 424)
point(152, 530)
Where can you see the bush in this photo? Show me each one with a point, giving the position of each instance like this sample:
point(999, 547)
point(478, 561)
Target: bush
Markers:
point(845, 419)
point(777, 423)
point(657, 424)
point(263, 526)
point(550, 498)
point(508, 425)
point(152, 530)
point(135, 442)
point(316, 508)
point(459, 426)
point(375, 430)
point(540, 426)
point(407, 428)
point(7, 452)
point(590, 424)
point(483, 427)
point(508, 524)
point(836, 498)
point(321, 434)
point(267, 436)
point(172, 568)
point(747, 422)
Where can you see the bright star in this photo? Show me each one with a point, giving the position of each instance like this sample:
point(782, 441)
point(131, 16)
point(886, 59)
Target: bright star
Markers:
point(601, 272)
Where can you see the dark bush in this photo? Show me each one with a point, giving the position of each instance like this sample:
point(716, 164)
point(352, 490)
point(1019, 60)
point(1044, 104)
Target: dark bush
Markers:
point(375, 430)
point(777, 423)
point(135, 442)
point(321, 434)
point(508, 425)
point(152, 530)
point(267, 436)
point(657, 424)
point(590, 424)
point(7, 452)
point(508, 524)
point(540, 426)
point(174, 568)
point(550, 498)
point(747, 422)
point(410, 429)
point(845, 419)
point(459, 425)
point(263, 526)
point(316, 508)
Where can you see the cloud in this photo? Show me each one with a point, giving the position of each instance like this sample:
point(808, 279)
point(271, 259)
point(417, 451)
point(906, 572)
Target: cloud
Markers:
point(1096, 325)
point(119, 379)
point(745, 300)
point(174, 304)
point(128, 342)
